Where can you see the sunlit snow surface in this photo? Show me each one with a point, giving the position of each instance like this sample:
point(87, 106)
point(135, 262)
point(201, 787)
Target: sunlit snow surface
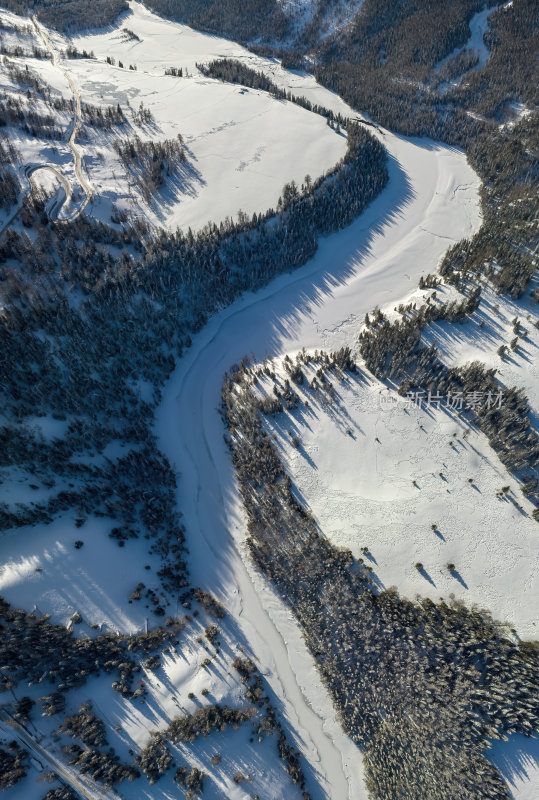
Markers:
point(431, 202)
point(242, 145)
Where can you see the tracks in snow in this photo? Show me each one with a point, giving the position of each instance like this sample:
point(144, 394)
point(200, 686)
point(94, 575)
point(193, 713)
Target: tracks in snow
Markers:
point(83, 785)
point(377, 259)
point(85, 184)
point(30, 169)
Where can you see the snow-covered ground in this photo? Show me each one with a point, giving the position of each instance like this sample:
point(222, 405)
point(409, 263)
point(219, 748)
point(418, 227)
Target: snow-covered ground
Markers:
point(379, 475)
point(242, 145)
point(432, 201)
point(184, 672)
point(41, 566)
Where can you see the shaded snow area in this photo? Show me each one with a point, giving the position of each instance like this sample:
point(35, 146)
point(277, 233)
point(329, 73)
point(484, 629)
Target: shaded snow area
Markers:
point(241, 145)
point(518, 761)
point(238, 763)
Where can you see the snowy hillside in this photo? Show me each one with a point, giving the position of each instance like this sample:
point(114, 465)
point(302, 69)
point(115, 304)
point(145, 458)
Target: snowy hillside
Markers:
point(139, 618)
point(327, 17)
point(240, 145)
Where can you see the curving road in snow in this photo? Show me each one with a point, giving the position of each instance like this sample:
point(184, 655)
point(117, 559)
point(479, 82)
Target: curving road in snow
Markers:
point(432, 201)
point(30, 169)
point(76, 123)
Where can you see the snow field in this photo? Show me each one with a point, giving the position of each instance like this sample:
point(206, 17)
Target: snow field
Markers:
point(380, 476)
point(242, 145)
point(41, 566)
point(431, 201)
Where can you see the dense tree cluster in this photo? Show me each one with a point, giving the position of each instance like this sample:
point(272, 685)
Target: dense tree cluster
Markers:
point(394, 350)
point(9, 183)
point(61, 793)
point(206, 720)
point(101, 116)
point(191, 779)
point(70, 15)
point(72, 52)
point(503, 250)
point(155, 758)
point(104, 767)
point(237, 19)
point(32, 650)
point(14, 762)
point(86, 726)
point(20, 52)
point(210, 605)
point(52, 704)
point(420, 687)
point(150, 162)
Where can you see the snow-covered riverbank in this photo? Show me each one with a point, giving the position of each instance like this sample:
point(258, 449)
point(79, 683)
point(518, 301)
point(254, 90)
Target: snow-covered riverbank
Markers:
point(432, 201)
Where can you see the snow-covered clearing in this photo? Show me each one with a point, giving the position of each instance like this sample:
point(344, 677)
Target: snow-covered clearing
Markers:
point(41, 566)
point(432, 200)
point(381, 476)
point(513, 113)
point(242, 145)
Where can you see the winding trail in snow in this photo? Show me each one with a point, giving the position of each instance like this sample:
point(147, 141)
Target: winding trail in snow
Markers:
point(432, 200)
point(30, 169)
point(76, 121)
point(82, 784)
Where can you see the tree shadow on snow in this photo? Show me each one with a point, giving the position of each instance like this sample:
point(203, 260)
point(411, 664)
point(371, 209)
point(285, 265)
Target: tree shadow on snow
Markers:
point(516, 759)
